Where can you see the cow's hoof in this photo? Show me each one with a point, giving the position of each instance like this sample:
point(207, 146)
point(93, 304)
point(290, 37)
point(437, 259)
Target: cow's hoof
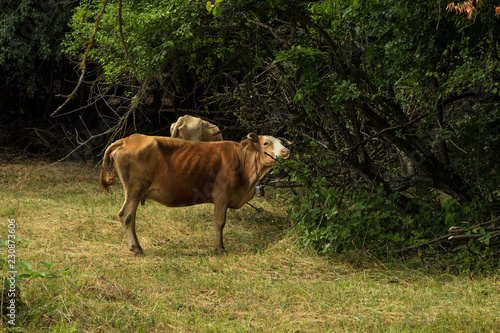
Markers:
point(220, 252)
point(137, 251)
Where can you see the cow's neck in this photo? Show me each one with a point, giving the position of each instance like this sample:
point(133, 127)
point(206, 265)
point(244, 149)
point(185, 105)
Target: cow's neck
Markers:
point(255, 168)
point(249, 176)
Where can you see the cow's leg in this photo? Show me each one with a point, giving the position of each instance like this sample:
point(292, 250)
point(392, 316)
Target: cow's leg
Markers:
point(127, 217)
point(219, 221)
point(135, 189)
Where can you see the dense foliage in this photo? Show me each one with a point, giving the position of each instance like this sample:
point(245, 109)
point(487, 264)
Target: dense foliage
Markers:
point(393, 106)
point(33, 71)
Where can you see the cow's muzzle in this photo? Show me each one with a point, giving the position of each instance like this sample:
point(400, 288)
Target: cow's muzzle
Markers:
point(285, 153)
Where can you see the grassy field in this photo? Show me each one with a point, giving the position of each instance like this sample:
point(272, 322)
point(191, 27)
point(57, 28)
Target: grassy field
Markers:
point(266, 283)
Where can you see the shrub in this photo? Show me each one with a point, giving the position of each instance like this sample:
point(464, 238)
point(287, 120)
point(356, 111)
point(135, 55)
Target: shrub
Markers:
point(349, 217)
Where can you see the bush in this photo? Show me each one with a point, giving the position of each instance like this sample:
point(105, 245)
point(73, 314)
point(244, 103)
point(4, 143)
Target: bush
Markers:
point(349, 217)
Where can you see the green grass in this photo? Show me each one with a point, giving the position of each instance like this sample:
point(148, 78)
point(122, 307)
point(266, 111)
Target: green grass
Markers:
point(266, 283)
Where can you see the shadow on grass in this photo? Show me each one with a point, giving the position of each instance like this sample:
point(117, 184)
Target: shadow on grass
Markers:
point(247, 231)
point(254, 231)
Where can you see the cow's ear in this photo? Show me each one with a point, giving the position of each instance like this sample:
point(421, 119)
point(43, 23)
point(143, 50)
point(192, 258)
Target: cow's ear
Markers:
point(249, 144)
point(285, 141)
point(254, 137)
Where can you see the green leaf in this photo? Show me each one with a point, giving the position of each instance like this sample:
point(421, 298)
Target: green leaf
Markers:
point(48, 265)
point(217, 11)
point(25, 265)
point(66, 270)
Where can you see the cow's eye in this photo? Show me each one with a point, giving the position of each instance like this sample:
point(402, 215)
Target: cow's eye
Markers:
point(266, 143)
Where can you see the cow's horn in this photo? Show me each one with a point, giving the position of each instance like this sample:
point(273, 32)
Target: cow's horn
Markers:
point(253, 137)
point(285, 141)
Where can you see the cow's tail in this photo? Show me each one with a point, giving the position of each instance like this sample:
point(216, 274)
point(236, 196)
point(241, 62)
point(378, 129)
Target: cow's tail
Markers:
point(108, 179)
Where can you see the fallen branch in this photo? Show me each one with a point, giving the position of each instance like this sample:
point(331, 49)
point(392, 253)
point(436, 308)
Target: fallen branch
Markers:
point(458, 234)
point(469, 236)
point(408, 248)
point(279, 183)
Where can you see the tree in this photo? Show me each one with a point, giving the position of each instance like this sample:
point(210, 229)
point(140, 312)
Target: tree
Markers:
point(393, 98)
point(33, 70)
point(468, 8)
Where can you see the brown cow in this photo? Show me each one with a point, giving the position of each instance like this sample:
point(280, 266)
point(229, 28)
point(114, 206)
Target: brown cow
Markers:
point(177, 173)
point(192, 128)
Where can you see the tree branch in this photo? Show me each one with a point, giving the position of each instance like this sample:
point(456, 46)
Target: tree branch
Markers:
point(89, 44)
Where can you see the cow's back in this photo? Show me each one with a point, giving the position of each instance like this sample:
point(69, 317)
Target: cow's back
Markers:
point(184, 173)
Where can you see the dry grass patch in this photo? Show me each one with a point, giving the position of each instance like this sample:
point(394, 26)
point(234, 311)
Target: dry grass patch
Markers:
point(267, 282)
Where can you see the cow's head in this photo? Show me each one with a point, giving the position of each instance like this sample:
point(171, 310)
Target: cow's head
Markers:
point(268, 147)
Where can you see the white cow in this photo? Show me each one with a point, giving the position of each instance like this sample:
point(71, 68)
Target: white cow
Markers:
point(195, 129)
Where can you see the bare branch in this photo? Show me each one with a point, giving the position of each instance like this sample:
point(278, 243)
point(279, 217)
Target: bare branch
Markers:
point(89, 44)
